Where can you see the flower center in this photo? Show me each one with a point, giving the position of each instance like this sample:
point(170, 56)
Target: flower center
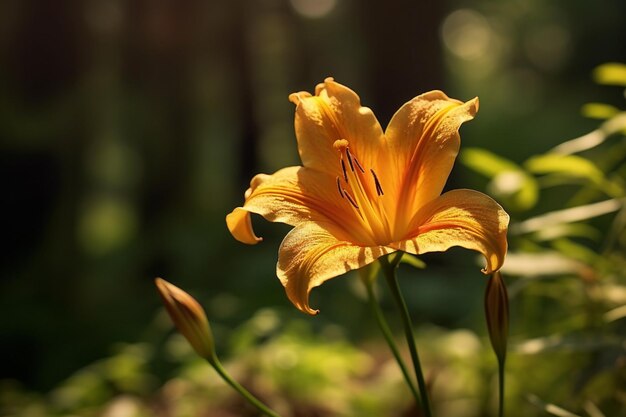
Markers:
point(362, 191)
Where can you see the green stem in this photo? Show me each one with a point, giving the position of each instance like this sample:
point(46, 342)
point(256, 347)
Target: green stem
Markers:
point(241, 390)
point(384, 327)
point(501, 387)
point(390, 273)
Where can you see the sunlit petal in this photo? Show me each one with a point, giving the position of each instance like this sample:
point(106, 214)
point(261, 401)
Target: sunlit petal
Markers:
point(291, 195)
point(334, 113)
point(240, 226)
point(423, 143)
point(313, 253)
point(463, 218)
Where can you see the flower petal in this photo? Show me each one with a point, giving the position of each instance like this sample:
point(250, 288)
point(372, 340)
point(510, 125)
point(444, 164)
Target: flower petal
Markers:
point(240, 226)
point(313, 253)
point(423, 140)
point(334, 113)
point(465, 218)
point(291, 195)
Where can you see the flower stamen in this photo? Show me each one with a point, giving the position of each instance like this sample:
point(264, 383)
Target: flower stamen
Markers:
point(349, 158)
point(379, 189)
point(362, 192)
point(354, 204)
point(356, 161)
point(339, 187)
point(343, 168)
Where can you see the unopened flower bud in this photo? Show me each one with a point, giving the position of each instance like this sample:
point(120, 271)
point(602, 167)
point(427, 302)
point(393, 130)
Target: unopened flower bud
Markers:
point(497, 313)
point(188, 317)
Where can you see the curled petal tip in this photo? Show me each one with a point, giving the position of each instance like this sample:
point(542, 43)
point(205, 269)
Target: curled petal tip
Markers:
point(301, 301)
point(494, 263)
point(487, 270)
point(305, 308)
point(468, 110)
point(240, 226)
point(296, 98)
point(474, 105)
point(311, 311)
point(319, 88)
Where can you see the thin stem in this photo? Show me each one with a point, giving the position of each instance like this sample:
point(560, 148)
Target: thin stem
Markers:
point(500, 387)
point(390, 273)
point(241, 390)
point(384, 327)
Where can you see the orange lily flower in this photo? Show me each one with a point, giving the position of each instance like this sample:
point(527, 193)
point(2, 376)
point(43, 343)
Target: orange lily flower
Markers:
point(363, 193)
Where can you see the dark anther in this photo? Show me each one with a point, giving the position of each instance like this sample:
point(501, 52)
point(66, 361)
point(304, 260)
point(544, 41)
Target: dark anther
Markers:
point(343, 168)
point(379, 189)
point(350, 200)
point(349, 159)
point(339, 187)
point(356, 161)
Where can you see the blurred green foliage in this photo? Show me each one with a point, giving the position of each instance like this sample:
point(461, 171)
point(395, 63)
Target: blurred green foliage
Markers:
point(573, 256)
point(129, 129)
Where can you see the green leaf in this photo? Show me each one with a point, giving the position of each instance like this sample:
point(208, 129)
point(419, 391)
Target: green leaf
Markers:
point(576, 251)
point(615, 124)
point(568, 165)
point(549, 408)
point(560, 230)
point(545, 263)
point(574, 167)
point(412, 260)
point(509, 182)
point(599, 111)
point(486, 163)
point(611, 73)
point(516, 188)
point(369, 273)
point(568, 215)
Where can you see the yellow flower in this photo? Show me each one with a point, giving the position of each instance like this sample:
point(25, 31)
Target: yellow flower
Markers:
point(363, 193)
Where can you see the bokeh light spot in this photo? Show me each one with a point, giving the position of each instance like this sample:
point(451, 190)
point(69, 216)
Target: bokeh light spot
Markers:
point(548, 46)
point(467, 34)
point(106, 223)
point(313, 9)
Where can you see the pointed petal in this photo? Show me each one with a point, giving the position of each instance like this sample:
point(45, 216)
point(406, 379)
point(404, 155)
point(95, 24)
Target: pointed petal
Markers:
point(465, 218)
point(240, 226)
point(291, 195)
point(334, 113)
point(313, 253)
point(424, 141)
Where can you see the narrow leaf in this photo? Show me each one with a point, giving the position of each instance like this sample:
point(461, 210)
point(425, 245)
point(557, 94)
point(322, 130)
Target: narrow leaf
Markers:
point(568, 165)
point(599, 111)
point(413, 261)
point(487, 163)
point(509, 182)
point(611, 73)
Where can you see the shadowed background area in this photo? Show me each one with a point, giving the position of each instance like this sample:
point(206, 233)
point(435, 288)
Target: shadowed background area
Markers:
point(129, 129)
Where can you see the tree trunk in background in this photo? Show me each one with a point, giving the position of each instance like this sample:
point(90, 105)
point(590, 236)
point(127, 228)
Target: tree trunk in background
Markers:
point(403, 49)
point(241, 59)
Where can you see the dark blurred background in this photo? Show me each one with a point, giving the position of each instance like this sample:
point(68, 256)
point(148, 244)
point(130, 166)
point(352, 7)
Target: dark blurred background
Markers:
point(129, 129)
